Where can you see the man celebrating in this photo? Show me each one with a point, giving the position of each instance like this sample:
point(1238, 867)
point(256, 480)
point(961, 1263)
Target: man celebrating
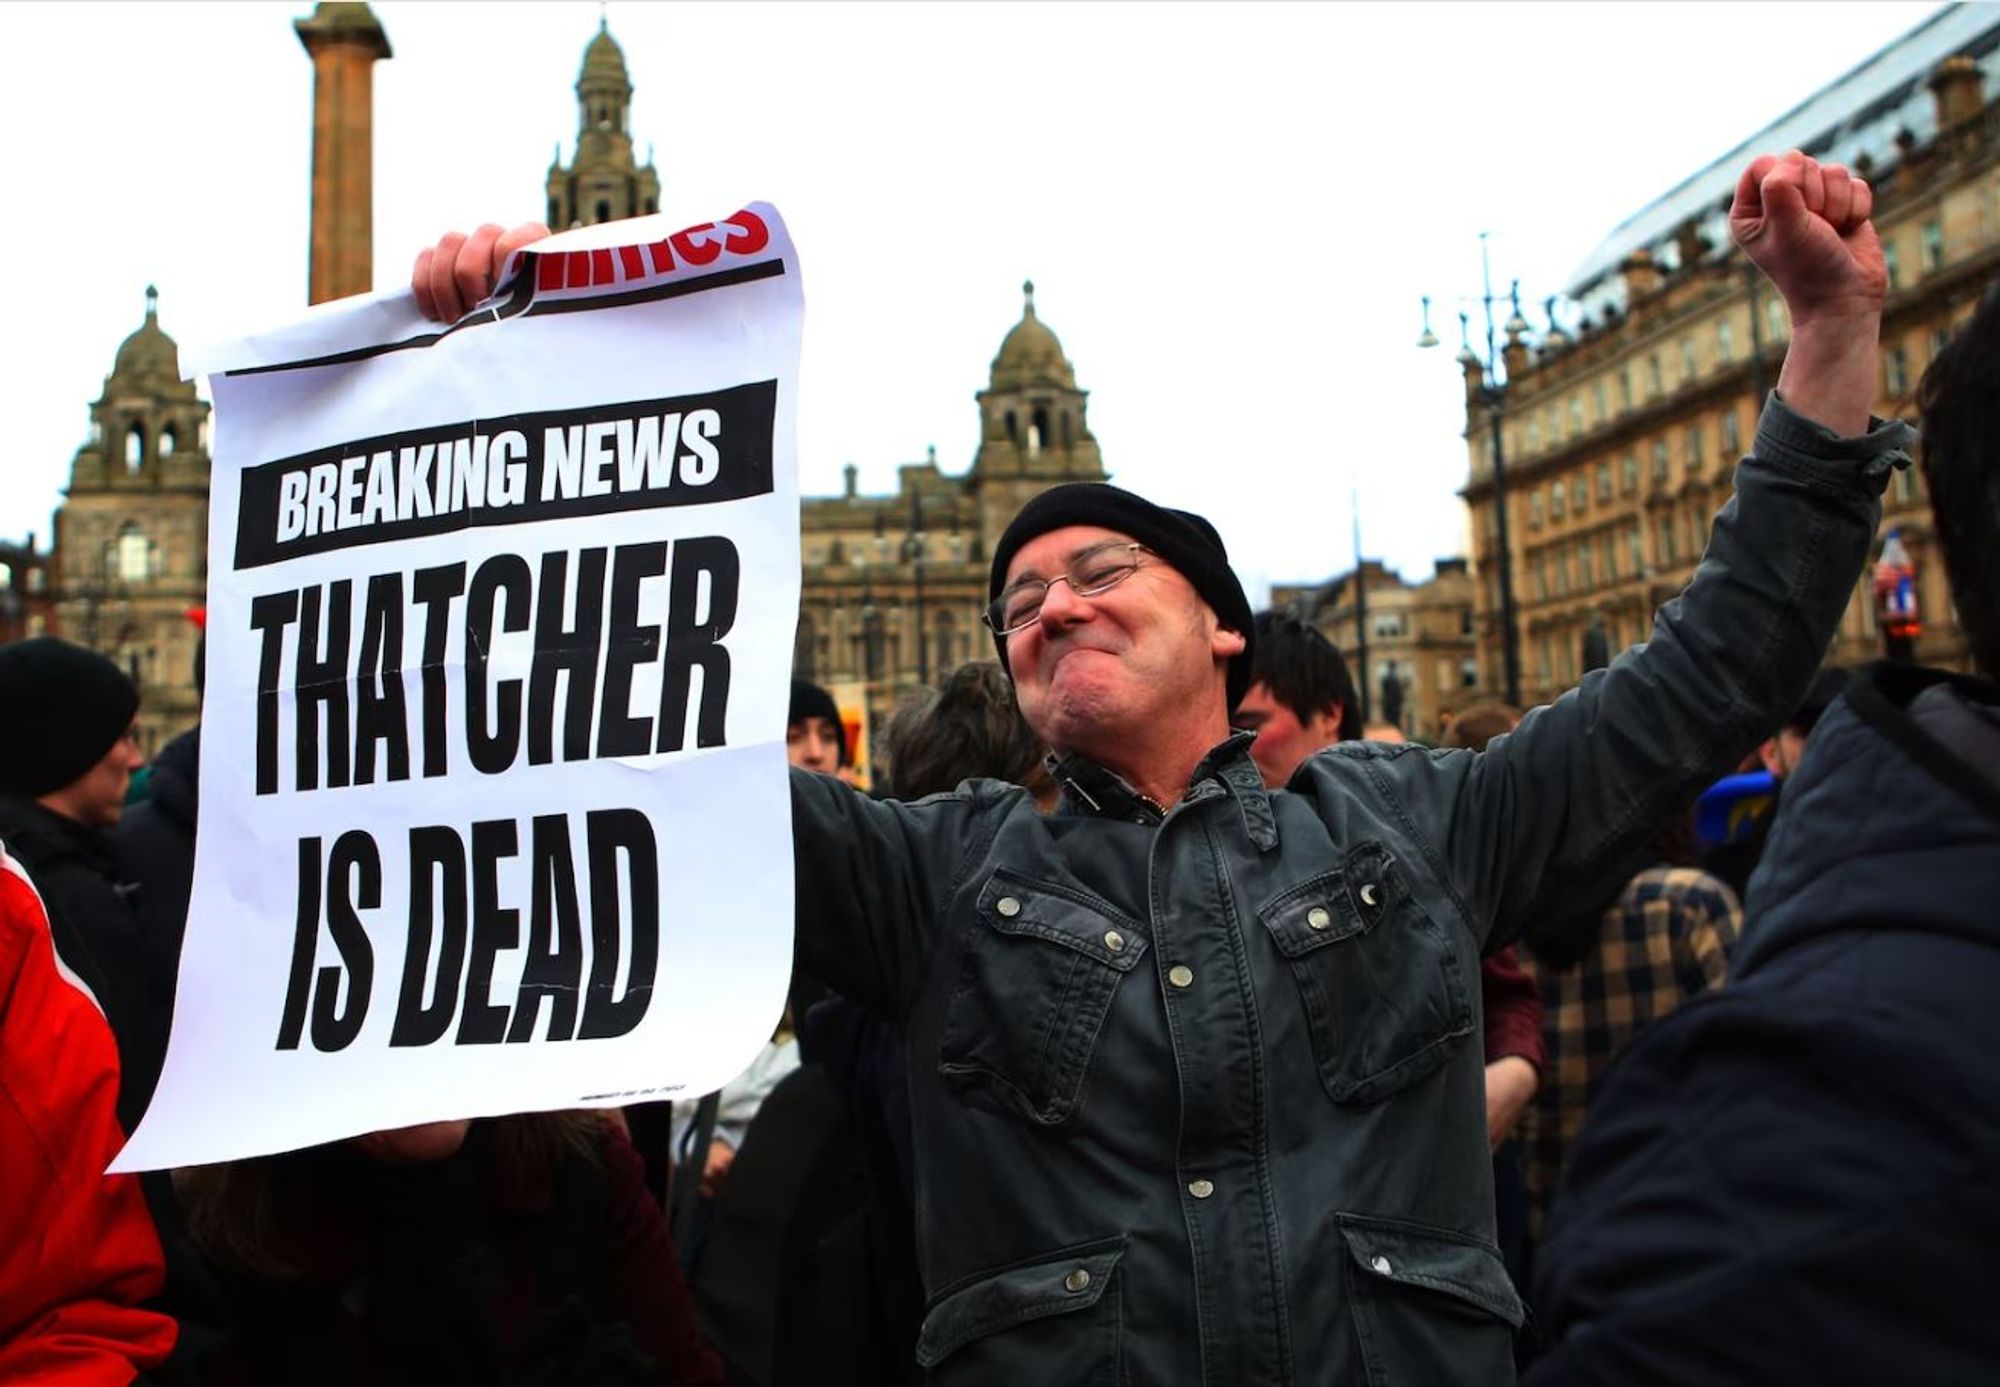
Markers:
point(1194, 1087)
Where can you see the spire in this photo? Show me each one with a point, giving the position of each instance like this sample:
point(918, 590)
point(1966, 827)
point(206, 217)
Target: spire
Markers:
point(1031, 351)
point(152, 303)
point(605, 182)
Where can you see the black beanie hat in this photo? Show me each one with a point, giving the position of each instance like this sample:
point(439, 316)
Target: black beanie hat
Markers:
point(1182, 538)
point(61, 708)
point(809, 700)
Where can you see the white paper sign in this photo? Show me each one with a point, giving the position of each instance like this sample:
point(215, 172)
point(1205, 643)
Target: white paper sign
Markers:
point(494, 815)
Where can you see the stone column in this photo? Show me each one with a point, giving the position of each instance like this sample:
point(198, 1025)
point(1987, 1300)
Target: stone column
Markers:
point(345, 40)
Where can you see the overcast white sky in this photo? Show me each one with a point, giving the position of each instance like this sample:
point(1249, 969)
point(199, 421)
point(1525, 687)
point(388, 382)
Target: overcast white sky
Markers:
point(1229, 211)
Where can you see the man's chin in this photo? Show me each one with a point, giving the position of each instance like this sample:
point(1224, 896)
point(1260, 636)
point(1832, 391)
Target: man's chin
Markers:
point(1081, 714)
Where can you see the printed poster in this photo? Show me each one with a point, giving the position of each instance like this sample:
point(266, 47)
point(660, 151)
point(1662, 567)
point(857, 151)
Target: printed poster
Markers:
point(494, 810)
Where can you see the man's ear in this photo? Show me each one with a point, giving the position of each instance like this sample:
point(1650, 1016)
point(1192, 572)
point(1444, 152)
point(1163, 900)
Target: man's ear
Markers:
point(1773, 760)
point(1325, 724)
point(1227, 644)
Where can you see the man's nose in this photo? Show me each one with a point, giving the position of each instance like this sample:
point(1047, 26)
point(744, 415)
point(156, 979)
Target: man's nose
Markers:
point(1062, 607)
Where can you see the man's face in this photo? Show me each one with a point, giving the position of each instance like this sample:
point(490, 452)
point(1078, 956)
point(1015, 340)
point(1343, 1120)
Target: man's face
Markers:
point(1140, 656)
point(96, 798)
point(813, 744)
point(1282, 740)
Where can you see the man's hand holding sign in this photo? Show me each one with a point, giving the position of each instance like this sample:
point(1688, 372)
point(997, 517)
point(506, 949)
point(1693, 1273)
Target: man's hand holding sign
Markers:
point(460, 271)
point(502, 613)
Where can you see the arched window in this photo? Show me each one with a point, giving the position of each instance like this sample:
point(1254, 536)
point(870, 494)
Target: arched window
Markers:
point(168, 441)
point(1039, 436)
point(603, 210)
point(132, 557)
point(1013, 429)
point(135, 448)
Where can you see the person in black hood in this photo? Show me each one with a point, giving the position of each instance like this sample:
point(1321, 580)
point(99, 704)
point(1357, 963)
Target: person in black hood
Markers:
point(1790, 1180)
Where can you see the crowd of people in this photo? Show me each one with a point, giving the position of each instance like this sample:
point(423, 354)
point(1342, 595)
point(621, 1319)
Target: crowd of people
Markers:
point(1152, 1023)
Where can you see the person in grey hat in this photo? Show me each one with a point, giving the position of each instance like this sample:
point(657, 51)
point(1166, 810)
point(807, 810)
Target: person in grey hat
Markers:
point(1196, 1084)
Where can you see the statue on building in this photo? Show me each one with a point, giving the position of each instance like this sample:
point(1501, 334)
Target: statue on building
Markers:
point(1392, 696)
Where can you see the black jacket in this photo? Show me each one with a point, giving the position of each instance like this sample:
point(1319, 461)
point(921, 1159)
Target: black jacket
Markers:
point(1198, 1096)
point(1797, 1179)
point(153, 848)
point(93, 922)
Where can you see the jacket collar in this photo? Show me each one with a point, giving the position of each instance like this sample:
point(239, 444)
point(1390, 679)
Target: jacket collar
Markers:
point(38, 835)
point(1091, 789)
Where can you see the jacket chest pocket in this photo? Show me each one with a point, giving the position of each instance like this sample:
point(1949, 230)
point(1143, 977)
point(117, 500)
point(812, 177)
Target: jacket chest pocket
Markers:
point(1386, 993)
point(1038, 968)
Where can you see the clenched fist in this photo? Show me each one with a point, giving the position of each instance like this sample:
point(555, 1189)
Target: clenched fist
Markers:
point(1805, 225)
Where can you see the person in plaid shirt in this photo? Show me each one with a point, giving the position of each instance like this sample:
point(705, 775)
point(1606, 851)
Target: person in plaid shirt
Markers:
point(1666, 938)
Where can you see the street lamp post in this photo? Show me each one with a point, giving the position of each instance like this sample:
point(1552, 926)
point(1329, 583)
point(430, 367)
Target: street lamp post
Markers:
point(913, 550)
point(1360, 608)
point(1493, 395)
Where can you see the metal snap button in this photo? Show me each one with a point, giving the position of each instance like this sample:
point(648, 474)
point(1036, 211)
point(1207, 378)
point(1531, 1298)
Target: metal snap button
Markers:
point(1114, 941)
point(1180, 975)
point(1077, 1280)
point(1381, 1264)
point(1369, 896)
point(1318, 917)
point(1201, 1189)
point(1008, 906)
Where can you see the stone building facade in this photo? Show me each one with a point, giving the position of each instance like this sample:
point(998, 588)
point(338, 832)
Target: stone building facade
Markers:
point(27, 592)
point(1418, 635)
point(894, 584)
point(131, 540)
point(1621, 431)
point(605, 182)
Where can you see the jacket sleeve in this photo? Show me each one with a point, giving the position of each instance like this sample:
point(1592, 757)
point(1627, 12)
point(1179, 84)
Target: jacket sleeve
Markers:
point(1574, 790)
point(873, 877)
point(78, 1254)
point(643, 1281)
point(1513, 1006)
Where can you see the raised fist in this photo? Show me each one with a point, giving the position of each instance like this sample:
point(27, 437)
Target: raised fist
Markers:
point(1805, 225)
point(459, 271)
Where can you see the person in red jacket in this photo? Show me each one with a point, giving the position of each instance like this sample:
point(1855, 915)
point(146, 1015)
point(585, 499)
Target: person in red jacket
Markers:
point(78, 1255)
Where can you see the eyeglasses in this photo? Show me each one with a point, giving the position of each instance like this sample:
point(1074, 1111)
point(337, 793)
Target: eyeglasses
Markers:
point(1089, 573)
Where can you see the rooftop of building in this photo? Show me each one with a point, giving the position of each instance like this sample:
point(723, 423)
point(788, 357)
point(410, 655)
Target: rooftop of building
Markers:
point(1863, 118)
